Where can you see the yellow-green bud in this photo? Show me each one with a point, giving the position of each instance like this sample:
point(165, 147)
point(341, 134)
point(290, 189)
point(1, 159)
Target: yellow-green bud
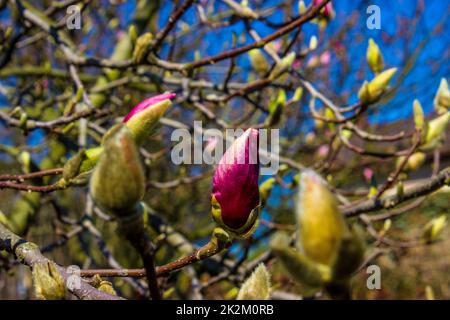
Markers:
point(117, 183)
point(436, 132)
point(320, 224)
point(48, 282)
point(374, 57)
point(442, 99)
point(434, 228)
point(142, 46)
point(257, 286)
point(372, 91)
point(258, 61)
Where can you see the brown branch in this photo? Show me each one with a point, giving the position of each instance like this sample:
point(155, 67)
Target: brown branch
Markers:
point(174, 17)
point(390, 201)
point(28, 253)
point(309, 15)
point(32, 175)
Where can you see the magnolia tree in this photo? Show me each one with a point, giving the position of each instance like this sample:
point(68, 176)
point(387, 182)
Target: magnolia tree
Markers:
point(213, 149)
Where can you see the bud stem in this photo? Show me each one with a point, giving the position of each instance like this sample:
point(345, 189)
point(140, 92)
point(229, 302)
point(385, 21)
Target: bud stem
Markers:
point(132, 228)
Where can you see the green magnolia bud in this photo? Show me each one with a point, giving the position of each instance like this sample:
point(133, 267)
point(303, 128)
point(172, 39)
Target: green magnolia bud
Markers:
point(48, 282)
point(374, 57)
point(419, 117)
point(372, 91)
point(72, 166)
point(434, 228)
point(258, 61)
point(313, 43)
point(276, 108)
point(320, 224)
point(142, 46)
point(442, 99)
point(301, 7)
point(133, 33)
point(350, 255)
point(436, 132)
point(300, 268)
point(257, 286)
point(297, 94)
point(265, 189)
point(117, 183)
point(415, 161)
point(283, 65)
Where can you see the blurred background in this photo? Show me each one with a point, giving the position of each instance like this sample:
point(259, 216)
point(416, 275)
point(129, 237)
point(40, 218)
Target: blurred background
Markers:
point(35, 82)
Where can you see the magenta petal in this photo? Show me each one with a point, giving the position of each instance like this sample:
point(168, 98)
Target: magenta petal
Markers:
point(235, 181)
point(147, 103)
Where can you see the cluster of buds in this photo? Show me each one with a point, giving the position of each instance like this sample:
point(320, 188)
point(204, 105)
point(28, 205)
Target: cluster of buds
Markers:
point(372, 91)
point(235, 195)
point(327, 251)
point(140, 121)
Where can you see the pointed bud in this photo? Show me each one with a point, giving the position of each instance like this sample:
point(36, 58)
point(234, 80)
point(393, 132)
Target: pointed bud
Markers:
point(313, 43)
point(117, 183)
point(434, 228)
point(301, 7)
point(415, 161)
point(374, 57)
point(442, 99)
point(48, 282)
point(257, 286)
point(235, 193)
point(276, 108)
point(297, 94)
point(142, 46)
point(419, 118)
point(429, 293)
point(142, 119)
point(265, 189)
point(372, 91)
point(283, 65)
point(320, 224)
point(436, 132)
point(258, 61)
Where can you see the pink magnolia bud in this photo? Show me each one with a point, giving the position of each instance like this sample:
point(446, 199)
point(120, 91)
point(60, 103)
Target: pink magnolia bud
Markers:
point(142, 119)
point(235, 193)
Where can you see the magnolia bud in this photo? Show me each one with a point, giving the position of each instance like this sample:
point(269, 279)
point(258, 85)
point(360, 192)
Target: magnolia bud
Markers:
point(436, 132)
point(433, 229)
point(235, 193)
point(142, 46)
point(265, 189)
point(258, 61)
point(117, 183)
point(300, 268)
point(372, 91)
point(419, 118)
point(276, 108)
point(301, 7)
point(350, 255)
point(142, 119)
point(48, 282)
point(283, 65)
point(313, 43)
point(374, 57)
point(415, 161)
point(321, 226)
point(257, 286)
point(442, 99)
